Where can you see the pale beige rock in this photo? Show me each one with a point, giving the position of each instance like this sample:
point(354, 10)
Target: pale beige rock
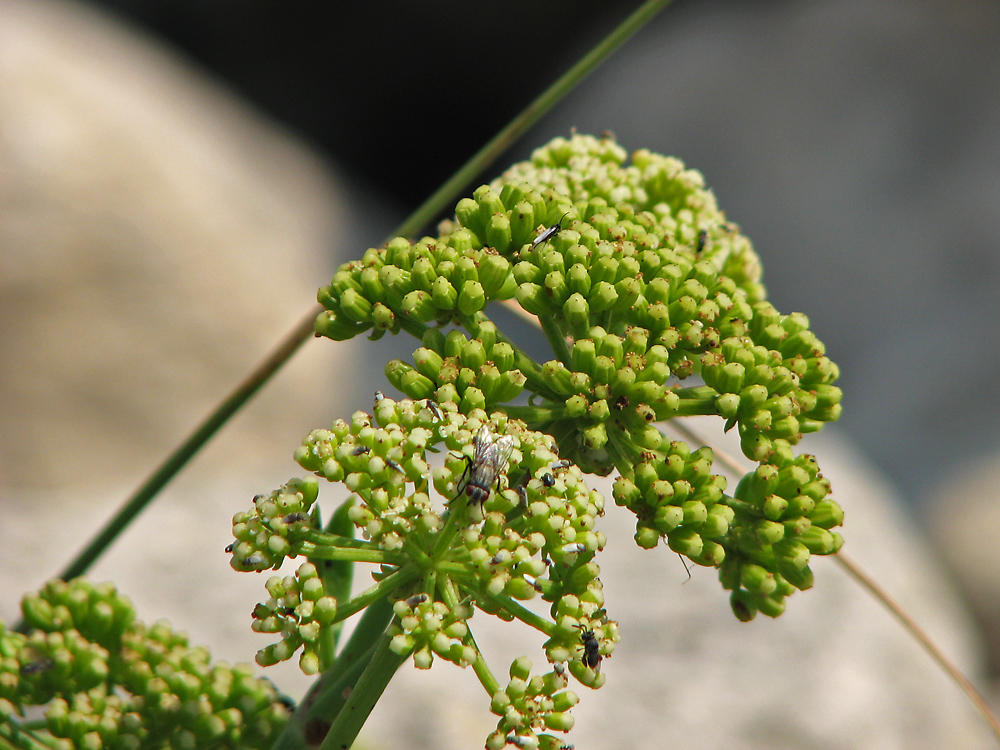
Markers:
point(157, 239)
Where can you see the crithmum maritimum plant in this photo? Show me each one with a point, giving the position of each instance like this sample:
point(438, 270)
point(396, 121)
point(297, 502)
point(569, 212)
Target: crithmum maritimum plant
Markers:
point(653, 307)
point(652, 304)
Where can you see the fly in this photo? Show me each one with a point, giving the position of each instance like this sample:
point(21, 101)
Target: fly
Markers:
point(549, 233)
point(591, 649)
point(490, 454)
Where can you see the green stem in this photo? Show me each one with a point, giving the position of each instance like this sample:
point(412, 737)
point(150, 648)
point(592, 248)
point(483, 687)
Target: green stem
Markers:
point(18, 738)
point(179, 458)
point(530, 115)
point(452, 525)
point(522, 613)
point(367, 691)
point(490, 683)
point(327, 695)
point(353, 554)
point(556, 338)
point(379, 590)
point(624, 453)
point(413, 327)
point(535, 414)
point(696, 401)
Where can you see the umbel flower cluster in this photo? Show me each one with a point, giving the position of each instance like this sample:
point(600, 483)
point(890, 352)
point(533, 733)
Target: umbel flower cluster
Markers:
point(653, 306)
point(107, 681)
point(642, 284)
point(441, 552)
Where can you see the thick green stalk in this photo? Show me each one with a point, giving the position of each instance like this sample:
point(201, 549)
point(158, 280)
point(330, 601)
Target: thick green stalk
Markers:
point(369, 688)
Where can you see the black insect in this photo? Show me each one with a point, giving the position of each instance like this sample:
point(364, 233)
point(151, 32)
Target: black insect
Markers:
point(490, 454)
point(395, 466)
point(435, 410)
point(295, 518)
point(548, 480)
point(360, 450)
point(591, 650)
point(416, 600)
point(38, 665)
point(549, 233)
point(229, 548)
point(702, 241)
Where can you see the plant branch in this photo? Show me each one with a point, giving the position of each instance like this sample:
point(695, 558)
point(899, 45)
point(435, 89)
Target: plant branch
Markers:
point(369, 688)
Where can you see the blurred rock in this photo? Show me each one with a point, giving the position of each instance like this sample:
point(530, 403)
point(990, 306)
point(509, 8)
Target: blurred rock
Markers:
point(157, 239)
point(963, 520)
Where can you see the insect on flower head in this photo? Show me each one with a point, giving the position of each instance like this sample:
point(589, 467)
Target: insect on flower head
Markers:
point(490, 454)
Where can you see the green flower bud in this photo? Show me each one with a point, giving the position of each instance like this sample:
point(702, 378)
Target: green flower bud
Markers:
point(578, 279)
point(827, 514)
point(555, 286)
point(502, 355)
point(443, 294)
point(817, 540)
point(603, 297)
point(408, 380)
point(800, 578)
point(558, 721)
point(428, 362)
point(769, 532)
point(533, 298)
point(685, 542)
point(471, 299)
point(577, 406)
point(467, 213)
point(717, 523)
point(576, 312)
point(727, 405)
point(473, 353)
point(464, 270)
point(522, 221)
point(743, 604)
point(383, 318)
point(489, 203)
point(473, 398)
point(354, 306)
point(668, 518)
point(695, 512)
point(509, 387)
point(774, 507)
point(628, 291)
point(792, 553)
point(600, 411)
point(498, 233)
point(604, 369)
point(647, 538)
point(423, 274)
point(494, 271)
point(337, 328)
point(595, 437)
point(419, 306)
point(557, 377)
point(758, 580)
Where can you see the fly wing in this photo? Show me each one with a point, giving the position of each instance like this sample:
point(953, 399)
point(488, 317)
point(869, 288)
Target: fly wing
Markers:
point(491, 455)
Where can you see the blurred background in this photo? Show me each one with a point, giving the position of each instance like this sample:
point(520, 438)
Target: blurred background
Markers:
point(248, 147)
